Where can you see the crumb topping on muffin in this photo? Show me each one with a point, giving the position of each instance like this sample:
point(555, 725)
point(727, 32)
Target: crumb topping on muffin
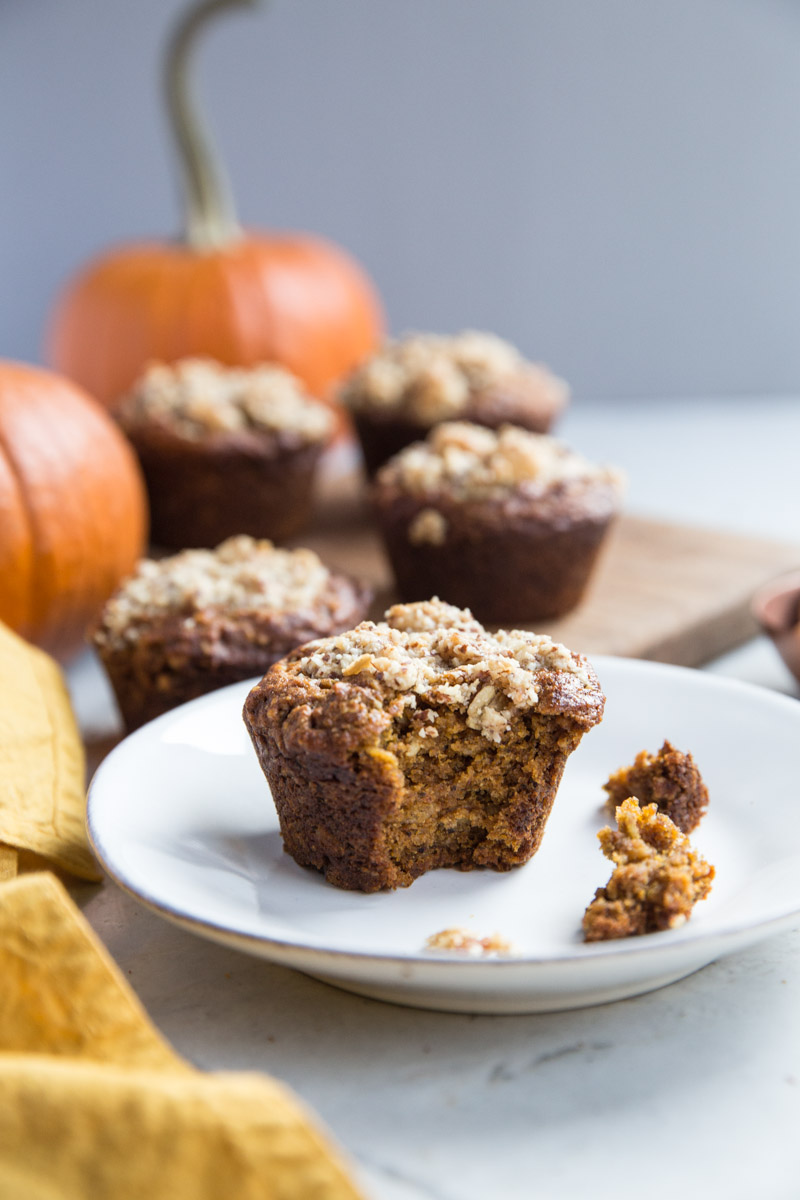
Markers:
point(197, 397)
point(431, 378)
point(434, 653)
point(240, 575)
point(428, 527)
point(472, 462)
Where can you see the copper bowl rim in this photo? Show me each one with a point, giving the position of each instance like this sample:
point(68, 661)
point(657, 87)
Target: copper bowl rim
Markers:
point(776, 605)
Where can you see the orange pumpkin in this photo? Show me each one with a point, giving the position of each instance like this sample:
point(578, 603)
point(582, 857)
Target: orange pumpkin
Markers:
point(72, 508)
point(241, 298)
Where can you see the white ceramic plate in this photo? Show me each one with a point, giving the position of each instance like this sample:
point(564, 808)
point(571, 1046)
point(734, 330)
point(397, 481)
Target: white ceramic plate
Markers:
point(181, 817)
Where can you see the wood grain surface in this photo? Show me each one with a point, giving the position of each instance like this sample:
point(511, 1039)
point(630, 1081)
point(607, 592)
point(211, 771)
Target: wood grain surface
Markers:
point(670, 593)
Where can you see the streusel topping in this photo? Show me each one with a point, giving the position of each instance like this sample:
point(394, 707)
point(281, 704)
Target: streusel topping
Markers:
point(198, 396)
point(441, 654)
point(429, 528)
point(430, 377)
point(240, 575)
point(472, 462)
point(465, 942)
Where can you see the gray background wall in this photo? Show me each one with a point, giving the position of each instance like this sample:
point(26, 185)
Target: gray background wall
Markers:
point(612, 184)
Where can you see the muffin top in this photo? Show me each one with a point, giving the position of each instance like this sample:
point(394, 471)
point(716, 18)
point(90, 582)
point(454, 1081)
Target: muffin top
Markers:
point(426, 378)
point(241, 576)
point(196, 398)
point(430, 653)
point(469, 462)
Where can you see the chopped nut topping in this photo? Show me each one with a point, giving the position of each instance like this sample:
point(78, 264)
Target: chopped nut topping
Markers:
point(431, 378)
point(198, 396)
point(241, 574)
point(429, 527)
point(465, 942)
point(472, 462)
point(433, 650)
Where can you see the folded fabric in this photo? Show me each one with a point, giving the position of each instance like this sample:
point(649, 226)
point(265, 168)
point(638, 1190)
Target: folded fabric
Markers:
point(9, 862)
point(95, 1104)
point(61, 993)
point(42, 766)
point(108, 1134)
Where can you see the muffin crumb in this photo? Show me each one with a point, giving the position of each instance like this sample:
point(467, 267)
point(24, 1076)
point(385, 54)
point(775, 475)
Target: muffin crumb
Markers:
point(463, 941)
point(669, 779)
point(428, 527)
point(657, 877)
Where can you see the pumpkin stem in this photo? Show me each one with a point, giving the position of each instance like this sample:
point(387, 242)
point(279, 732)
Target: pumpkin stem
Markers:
point(210, 219)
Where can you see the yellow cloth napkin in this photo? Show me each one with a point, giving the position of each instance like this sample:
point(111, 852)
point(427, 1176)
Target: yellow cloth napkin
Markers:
point(94, 1104)
point(42, 767)
point(61, 993)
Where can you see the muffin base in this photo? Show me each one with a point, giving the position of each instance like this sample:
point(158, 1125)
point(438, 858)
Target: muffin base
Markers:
point(506, 565)
point(381, 438)
point(202, 493)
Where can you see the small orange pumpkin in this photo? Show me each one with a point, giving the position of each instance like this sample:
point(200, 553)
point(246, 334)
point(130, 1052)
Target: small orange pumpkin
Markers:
point(72, 508)
point(241, 298)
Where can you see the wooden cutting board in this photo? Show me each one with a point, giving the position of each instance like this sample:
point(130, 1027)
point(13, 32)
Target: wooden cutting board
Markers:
point(670, 593)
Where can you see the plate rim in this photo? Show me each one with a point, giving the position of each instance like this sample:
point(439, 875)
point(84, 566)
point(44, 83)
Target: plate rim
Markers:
point(662, 943)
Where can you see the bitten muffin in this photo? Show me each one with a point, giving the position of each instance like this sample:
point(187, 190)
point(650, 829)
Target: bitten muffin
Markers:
point(657, 878)
point(416, 382)
point(419, 742)
point(183, 626)
point(507, 523)
point(225, 450)
point(669, 779)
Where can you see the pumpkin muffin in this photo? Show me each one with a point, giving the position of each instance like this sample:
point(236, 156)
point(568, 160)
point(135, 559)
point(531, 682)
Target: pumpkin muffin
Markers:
point(657, 878)
point(183, 626)
point(669, 779)
point(225, 450)
point(505, 522)
point(418, 742)
point(414, 383)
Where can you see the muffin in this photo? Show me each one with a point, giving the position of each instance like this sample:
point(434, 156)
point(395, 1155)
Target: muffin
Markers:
point(657, 878)
point(225, 450)
point(183, 626)
point(669, 779)
point(419, 742)
point(413, 384)
point(505, 522)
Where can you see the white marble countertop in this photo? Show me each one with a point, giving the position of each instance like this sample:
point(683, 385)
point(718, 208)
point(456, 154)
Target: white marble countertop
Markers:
point(689, 1090)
